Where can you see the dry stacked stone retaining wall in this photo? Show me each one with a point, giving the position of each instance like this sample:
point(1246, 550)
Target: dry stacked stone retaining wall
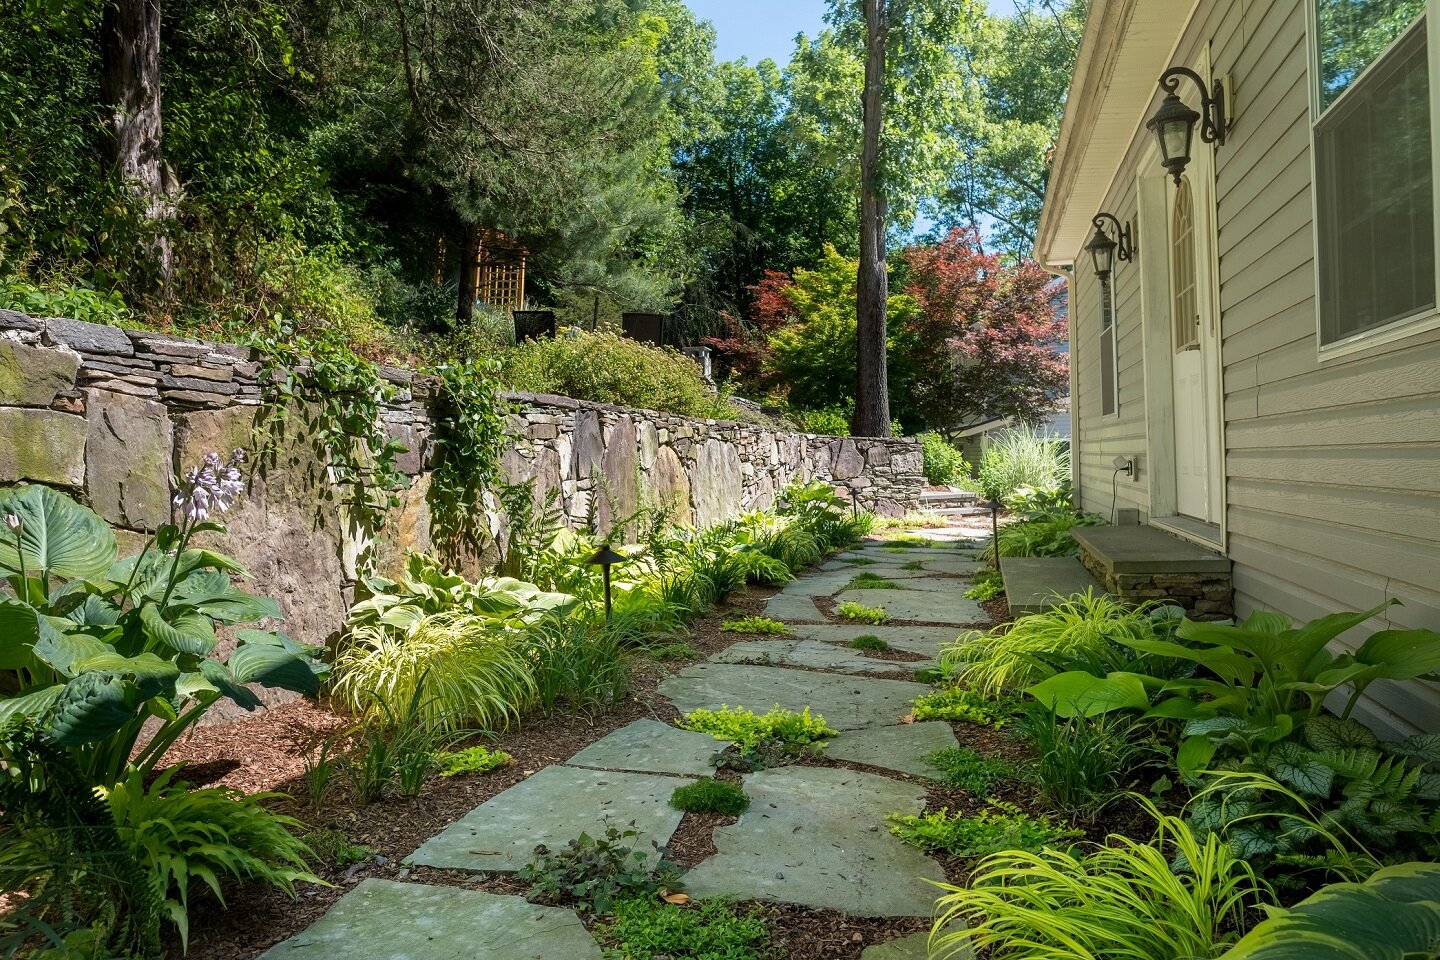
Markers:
point(113, 415)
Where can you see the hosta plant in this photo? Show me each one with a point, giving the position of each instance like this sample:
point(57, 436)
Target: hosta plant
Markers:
point(1393, 915)
point(114, 659)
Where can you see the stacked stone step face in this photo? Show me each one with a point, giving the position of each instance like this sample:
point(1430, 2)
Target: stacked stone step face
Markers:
point(1143, 563)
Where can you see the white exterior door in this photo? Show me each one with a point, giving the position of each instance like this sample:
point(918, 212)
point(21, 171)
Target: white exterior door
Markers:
point(1194, 326)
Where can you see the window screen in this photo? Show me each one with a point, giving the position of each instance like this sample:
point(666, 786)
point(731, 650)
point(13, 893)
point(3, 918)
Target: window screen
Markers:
point(1374, 177)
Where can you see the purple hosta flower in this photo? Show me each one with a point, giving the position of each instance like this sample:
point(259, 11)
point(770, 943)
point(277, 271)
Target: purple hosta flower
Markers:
point(211, 487)
point(13, 522)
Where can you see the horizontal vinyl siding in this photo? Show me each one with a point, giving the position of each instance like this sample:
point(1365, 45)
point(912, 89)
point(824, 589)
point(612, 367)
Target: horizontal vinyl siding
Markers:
point(1332, 470)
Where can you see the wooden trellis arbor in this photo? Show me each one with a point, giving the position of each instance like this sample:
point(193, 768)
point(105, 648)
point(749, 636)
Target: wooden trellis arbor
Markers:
point(499, 271)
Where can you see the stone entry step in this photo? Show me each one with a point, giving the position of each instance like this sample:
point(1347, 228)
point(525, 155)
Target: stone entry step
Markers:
point(1035, 584)
point(1142, 562)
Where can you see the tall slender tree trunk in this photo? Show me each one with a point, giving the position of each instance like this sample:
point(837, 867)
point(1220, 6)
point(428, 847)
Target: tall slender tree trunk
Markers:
point(130, 90)
point(872, 390)
point(467, 288)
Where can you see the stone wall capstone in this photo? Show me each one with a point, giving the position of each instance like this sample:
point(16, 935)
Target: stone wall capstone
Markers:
point(112, 416)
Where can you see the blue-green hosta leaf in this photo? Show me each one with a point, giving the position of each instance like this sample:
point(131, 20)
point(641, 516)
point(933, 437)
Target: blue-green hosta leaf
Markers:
point(1329, 732)
point(1402, 654)
point(91, 707)
point(57, 535)
point(146, 666)
point(187, 632)
point(274, 660)
point(1310, 638)
point(1297, 767)
point(33, 703)
point(95, 611)
point(1077, 693)
point(19, 631)
point(219, 678)
point(63, 650)
point(1206, 726)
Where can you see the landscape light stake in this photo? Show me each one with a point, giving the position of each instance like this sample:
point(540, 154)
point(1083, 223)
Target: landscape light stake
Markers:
point(605, 558)
point(994, 507)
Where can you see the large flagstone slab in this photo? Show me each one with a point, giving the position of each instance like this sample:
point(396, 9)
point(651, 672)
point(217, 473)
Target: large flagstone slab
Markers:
point(914, 947)
point(816, 836)
point(815, 655)
point(926, 641)
point(385, 920)
point(921, 606)
point(847, 703)
point(554, 807)
point(793, 606)
point(649, 746)
point(901, 748)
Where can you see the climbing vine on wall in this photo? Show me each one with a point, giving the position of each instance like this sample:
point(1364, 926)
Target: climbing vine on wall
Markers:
point(469, 417)
point(338, 397)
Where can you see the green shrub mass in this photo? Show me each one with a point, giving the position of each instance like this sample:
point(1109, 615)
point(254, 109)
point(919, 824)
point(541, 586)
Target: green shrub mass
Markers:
point(754, 625)
point(477, 759)
point(708, 795)
point(960, 704)
point(943, 464)
point(607, 368)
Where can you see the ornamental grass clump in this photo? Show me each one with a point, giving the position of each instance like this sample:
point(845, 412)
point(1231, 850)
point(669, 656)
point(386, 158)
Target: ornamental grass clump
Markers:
point(1121, 899)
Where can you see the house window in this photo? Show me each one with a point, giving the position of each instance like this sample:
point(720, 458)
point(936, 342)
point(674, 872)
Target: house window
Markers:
point(1184, 300)
point(1109, 381)
point(1374, 171)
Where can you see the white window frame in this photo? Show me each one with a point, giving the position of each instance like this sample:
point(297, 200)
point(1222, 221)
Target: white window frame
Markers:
point(1422, 321)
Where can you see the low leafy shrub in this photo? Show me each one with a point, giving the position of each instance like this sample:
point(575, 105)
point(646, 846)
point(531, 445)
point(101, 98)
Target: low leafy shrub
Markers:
point(180, 834)
point(70, 300)
point(967, 768)
point(754, 625)
point(943, 464)
point(708, 795)
point(700, 930)
point(959, 704)
point(1003, 827)
point(748, 729)
point(1043, 533)
point(868, 641)
point(1023, 459)
point(332, 848)
point(988, 585)
point(607, 368)
point(873, 581)
point(859, 613)
point(1122, 898)
point(476, 759)
point(1082, 764)
point(673, 651)
point(593, 874)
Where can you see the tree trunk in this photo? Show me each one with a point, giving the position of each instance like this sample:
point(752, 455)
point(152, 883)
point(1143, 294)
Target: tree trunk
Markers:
point(469, 274)
point(872, 392)
point(130, 90)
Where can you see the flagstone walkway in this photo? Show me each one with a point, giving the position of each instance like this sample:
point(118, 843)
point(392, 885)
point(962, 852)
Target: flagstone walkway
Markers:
point(813, 836)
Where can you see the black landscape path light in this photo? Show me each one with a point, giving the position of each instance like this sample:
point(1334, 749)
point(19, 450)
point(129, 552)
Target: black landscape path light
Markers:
point(605, 558)
point(994, 507)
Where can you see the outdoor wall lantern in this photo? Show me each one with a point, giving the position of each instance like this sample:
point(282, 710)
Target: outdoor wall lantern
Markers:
point(604, 558)
point(1174, 123)
point(1105, 251)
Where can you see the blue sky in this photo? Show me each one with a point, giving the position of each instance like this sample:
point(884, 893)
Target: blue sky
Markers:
point(756, 29)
